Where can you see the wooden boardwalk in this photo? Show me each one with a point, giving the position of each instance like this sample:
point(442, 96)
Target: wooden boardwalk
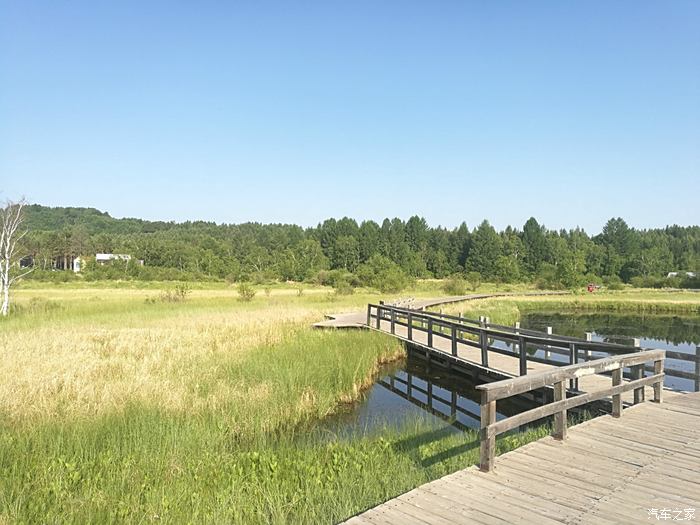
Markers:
point(629, 470)
point(358, 319)
point(507, 365)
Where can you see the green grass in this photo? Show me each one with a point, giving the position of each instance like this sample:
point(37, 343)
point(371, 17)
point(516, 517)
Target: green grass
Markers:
point(508, 310)
point(143, 465)
point(255, 458)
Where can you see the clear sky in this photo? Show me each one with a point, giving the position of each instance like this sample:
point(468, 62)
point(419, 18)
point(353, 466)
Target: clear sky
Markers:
point(296, 111)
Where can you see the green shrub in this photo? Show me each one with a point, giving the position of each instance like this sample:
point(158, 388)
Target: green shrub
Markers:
point(176, 295)
point(613, 282)
point(474, 280)
point(455, 285)
point(383, 274)
point(343, 288)
point(246, 292)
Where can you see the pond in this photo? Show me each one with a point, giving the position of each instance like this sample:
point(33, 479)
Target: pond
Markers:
point(412, 391)
point(664, 332)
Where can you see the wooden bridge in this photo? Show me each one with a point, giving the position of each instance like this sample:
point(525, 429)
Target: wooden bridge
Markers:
point(642, 466)
point(489, 351)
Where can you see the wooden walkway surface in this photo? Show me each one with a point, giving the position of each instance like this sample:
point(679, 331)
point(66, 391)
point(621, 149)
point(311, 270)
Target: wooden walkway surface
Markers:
point(358, 319)
point(629, 470)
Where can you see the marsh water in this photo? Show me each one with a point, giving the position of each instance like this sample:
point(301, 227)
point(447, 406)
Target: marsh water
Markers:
point(412, 390)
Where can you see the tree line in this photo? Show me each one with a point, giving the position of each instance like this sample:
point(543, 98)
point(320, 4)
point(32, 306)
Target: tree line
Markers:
point(360, 253)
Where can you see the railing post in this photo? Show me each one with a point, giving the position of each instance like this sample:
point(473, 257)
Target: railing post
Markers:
point(487, 321)
point(697, 368)
point(393, 321)
point(617, 398)
point(589, 338)
point(454, 340)
point(547, 354)
point(379, 317)
point(409, 320)
point(638, 373)
point(573, 384)
point(487, 447)
point(522, 346)
point(659, 385)
point(483, 341)
point(369, 315)
point(430, 332)
point(560, 417)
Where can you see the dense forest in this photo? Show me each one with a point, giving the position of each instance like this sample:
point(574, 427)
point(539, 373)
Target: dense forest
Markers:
point(366, 253)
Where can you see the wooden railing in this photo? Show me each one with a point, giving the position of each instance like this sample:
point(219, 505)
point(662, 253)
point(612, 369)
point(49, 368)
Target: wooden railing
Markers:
point(492, 392)
point(556, 350)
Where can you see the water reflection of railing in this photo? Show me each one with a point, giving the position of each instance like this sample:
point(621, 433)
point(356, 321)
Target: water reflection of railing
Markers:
point(429, 405)
point(445, 397)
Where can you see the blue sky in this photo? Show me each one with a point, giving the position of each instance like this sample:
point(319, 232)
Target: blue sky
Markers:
point(296, 111)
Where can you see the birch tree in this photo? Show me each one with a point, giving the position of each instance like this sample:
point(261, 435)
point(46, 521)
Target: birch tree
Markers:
point(11, 233)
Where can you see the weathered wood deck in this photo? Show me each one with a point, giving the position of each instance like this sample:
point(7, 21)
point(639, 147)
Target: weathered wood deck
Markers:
point(628, 470)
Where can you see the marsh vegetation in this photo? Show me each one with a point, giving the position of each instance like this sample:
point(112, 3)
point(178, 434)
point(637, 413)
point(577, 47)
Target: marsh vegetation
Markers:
point(119, 408)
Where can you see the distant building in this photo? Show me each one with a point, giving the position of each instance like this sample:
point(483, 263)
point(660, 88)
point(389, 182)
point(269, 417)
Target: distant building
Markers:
point(106, 258)
point(676, 274)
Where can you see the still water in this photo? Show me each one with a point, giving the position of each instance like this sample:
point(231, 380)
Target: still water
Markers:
point(412, 390)
point(662, 332)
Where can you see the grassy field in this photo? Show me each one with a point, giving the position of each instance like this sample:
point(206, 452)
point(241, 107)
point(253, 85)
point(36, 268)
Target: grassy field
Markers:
point(508, 310)
point(118, 407)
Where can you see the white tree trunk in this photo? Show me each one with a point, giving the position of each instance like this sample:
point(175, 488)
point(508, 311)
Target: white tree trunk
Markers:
point(10, 222)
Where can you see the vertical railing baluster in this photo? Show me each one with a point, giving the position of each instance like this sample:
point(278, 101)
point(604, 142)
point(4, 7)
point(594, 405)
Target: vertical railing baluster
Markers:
point(430, 332)
point(573, 384)
point(522, 355)
point(638, 373)
point(409, 320)
point(617, 398)
point(560, 417)
point(454, 340)
point(659, 385)
point(487, 450)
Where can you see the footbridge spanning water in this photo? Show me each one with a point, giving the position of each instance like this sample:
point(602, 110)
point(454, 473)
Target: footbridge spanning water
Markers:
point(616, 468)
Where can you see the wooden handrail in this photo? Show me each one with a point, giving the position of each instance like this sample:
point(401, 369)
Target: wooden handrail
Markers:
point(502, 331)
point(417, 320)
point(492, 392)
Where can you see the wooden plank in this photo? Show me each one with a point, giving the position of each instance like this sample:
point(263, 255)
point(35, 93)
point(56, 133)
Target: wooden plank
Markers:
point(521, 499)
point(441, 507)
point(476, 499)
